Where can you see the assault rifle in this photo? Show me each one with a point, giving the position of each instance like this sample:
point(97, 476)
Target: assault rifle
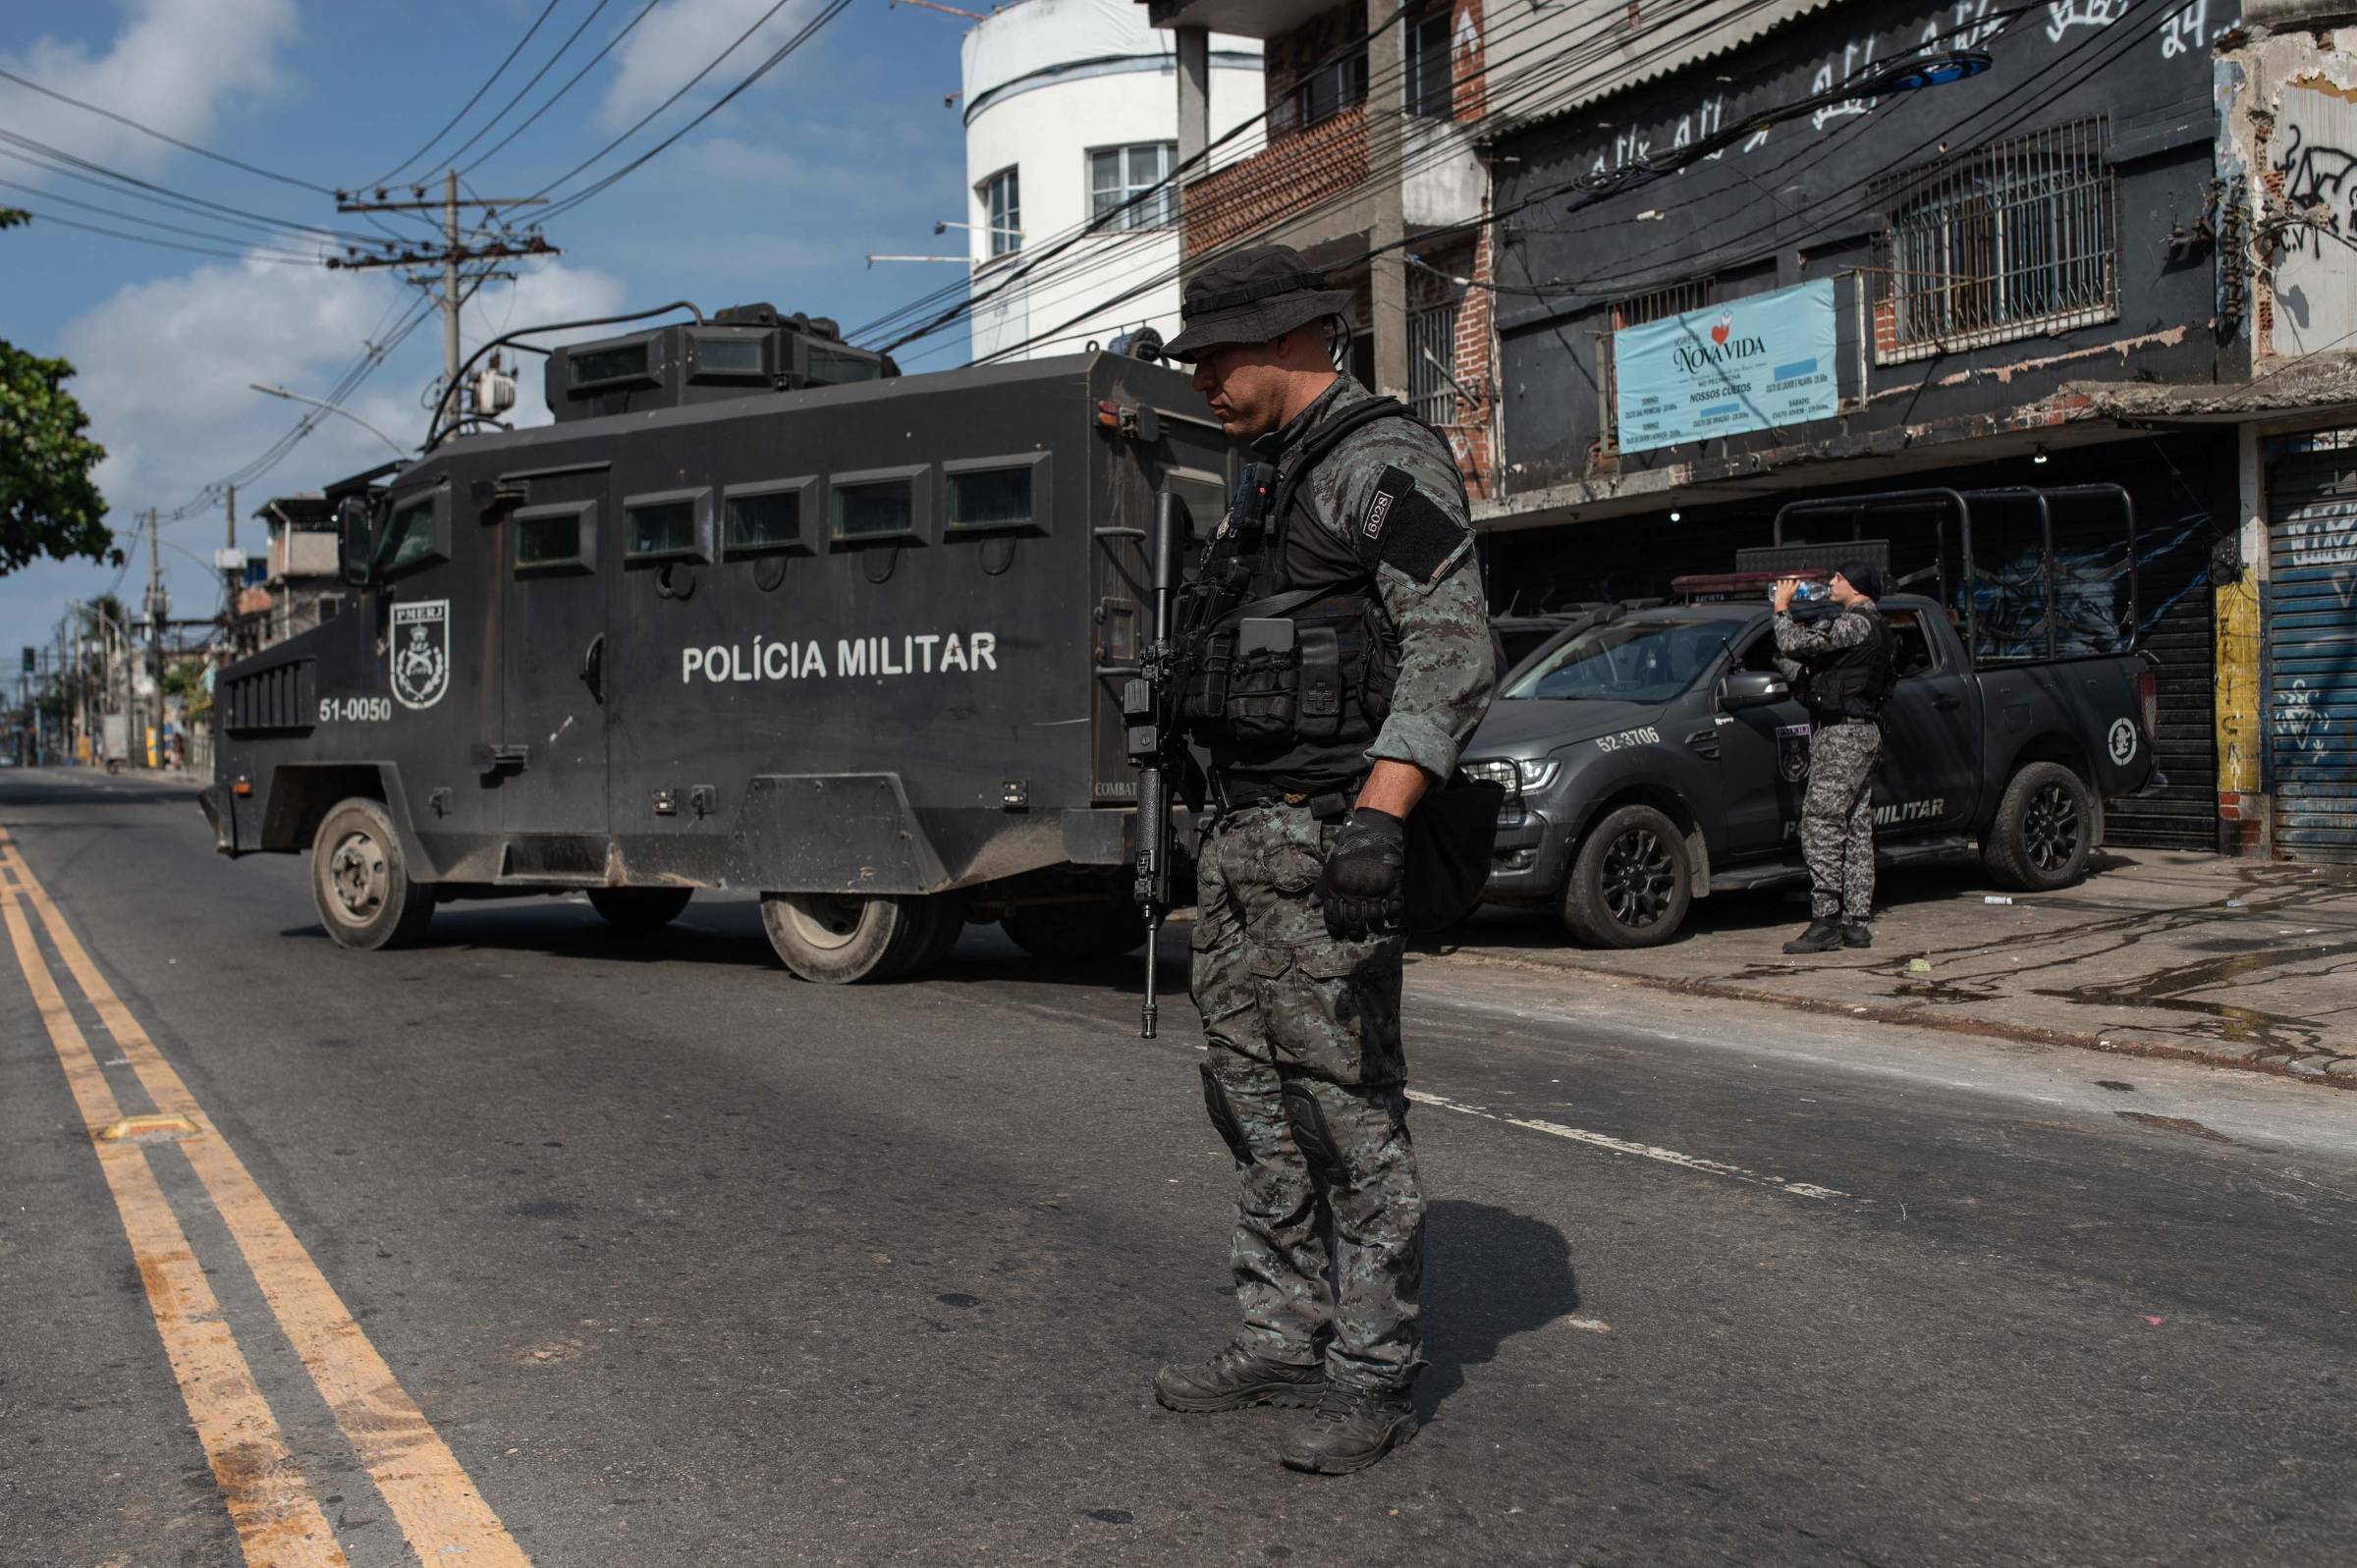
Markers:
point(1150, 704)
point(1154, 703)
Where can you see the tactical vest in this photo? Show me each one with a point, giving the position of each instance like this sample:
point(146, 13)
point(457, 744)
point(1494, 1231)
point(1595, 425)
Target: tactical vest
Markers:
point(1297, 718)
point(1854, 682)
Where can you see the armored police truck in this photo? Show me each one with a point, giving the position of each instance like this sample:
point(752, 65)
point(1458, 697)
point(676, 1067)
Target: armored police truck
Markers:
point(756, 612)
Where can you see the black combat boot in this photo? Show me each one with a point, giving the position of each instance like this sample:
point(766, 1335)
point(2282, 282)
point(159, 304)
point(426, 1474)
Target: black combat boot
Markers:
point(1856, 934)
point(1822, 935)
point(1352, 1428)
point(1235, 1378)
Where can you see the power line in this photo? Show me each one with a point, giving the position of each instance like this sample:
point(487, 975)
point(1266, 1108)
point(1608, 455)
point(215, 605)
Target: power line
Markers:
point(153, 223)
point(465, 108)
point(569, 83)
point(150, 130)
point(524, 92)
point(57, 160)
point(167, 244)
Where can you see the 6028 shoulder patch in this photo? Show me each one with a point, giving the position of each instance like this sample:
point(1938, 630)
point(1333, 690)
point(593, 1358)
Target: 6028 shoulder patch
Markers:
point(1404, 527)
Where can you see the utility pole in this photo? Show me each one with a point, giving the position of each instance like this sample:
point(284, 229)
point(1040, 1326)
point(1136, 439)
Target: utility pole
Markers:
point(453, 253)
point(148, 739)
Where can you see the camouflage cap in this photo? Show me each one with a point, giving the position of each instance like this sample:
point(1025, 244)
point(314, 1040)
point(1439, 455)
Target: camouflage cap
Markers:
point(1251, 296)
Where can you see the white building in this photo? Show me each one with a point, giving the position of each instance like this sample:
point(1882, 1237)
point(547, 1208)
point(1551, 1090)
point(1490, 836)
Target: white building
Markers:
point(1071, 112)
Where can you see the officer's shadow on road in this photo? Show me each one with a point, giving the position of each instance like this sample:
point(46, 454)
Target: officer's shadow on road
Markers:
point(1489, 1275)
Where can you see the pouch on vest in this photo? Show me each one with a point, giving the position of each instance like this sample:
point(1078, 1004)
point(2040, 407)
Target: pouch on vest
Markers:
point(1205, 701)
point(1264, 684)
point(1320, 714)
point(1450, 836)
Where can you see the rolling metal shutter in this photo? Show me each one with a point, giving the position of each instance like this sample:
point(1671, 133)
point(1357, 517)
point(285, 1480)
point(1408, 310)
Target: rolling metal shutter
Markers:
point(2176, 627)
point(2312, 648)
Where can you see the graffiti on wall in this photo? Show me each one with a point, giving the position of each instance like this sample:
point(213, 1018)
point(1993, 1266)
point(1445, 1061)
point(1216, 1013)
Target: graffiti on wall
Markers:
point(2314, 155)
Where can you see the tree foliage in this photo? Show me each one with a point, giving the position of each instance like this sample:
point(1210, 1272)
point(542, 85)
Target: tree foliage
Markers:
point(48, 504)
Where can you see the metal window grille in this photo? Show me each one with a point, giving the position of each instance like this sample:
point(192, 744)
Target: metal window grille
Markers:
point(1674, 299)
point(1117, 175)
point(1432, 361)
point(2000, 243)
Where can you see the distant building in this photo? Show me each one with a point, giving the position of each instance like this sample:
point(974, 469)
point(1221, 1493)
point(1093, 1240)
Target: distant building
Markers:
point(301, 585)
point(1070, 117)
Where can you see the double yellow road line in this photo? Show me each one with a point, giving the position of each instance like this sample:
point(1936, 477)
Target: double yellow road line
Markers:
point(274, 1508)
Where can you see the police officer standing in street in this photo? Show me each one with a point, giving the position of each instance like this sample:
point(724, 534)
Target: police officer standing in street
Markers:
point(1847, 666)
point(1324, 733)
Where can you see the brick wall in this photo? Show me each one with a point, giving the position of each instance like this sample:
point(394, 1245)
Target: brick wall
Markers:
point(1307, 167)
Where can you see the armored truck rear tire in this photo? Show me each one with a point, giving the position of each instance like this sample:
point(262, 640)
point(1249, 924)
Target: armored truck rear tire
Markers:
point(361, 880)
point(640, 908)
point(2045, 830)
point(839, 939)
point(1631, 883)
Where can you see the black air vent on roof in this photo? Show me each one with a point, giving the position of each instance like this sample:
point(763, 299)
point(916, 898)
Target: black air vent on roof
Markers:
point(740, 352)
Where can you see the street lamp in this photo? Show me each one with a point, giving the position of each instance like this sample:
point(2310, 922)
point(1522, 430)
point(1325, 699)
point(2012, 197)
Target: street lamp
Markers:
point(399, 450)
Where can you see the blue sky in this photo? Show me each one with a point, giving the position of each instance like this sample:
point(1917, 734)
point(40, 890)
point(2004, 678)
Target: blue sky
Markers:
point(846, 148)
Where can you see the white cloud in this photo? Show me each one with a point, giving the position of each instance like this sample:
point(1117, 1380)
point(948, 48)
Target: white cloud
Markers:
point(173, 64)
point(681, 38)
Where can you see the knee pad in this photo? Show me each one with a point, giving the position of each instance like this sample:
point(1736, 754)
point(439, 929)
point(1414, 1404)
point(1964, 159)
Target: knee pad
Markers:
point(1224, 1117)
point(1311, 1134)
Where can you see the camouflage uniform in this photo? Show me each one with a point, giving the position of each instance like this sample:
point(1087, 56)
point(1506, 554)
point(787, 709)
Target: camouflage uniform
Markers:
point(1836, 814)
point(1305, 1077)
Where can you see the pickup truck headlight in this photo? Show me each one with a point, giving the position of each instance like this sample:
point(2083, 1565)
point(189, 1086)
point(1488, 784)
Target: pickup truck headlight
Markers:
point(1516, 774)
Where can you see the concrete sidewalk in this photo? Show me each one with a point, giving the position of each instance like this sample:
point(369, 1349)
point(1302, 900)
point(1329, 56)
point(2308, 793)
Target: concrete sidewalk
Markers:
point(2234, 962)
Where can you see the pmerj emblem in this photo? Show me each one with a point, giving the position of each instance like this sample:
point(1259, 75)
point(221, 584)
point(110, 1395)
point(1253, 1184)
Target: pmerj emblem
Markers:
point(421, 652)
point(1792, 751)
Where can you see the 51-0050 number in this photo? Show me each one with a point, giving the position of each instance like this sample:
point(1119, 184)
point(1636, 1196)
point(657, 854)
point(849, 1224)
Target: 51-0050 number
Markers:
point(355, 710)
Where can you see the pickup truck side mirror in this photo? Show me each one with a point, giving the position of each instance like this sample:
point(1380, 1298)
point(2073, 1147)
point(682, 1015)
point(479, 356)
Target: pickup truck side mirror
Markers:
point(1753, 689)
point(354, 545)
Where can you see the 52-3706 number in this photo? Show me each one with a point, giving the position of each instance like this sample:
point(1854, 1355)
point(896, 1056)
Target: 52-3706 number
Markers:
point(355, 710)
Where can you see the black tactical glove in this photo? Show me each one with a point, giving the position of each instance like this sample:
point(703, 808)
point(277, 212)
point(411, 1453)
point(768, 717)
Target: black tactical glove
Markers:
point(1361, 891)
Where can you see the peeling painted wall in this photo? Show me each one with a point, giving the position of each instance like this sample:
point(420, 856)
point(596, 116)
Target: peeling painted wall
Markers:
point(2291, 118)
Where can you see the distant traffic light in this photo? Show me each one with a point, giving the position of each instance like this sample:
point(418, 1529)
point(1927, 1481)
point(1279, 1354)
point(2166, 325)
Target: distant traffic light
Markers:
point(30, 662)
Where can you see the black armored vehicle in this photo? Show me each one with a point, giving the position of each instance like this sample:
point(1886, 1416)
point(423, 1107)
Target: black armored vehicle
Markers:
point(1660, 756)
point(755, 613)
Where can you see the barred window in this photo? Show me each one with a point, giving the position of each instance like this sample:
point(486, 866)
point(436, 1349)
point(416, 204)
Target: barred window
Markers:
point(2000, 243)
point(1427, 61)
point(1634, 311)
point(1330, 88)
point(1432, 361)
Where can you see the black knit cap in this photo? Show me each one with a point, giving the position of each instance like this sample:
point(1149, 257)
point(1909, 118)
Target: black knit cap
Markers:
point(1865, 576)
point(1251, 296)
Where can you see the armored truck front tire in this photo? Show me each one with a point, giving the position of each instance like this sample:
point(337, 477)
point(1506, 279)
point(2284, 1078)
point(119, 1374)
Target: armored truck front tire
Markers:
point(1631, 883)
point(361, 880)
point(2045, 830)
point(842, 937)
point(640, 908)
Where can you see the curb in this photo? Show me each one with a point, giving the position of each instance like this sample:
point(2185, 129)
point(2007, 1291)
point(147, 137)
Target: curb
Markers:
point(1915, 1018)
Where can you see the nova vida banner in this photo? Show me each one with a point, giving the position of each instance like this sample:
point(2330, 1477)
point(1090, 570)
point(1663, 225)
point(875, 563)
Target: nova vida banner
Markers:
point(1756, 363)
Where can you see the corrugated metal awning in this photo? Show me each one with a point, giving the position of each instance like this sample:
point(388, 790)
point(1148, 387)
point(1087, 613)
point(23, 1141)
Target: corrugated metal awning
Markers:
point(1632, 55)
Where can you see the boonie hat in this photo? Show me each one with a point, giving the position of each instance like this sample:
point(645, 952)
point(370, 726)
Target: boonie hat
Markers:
point(1251, 296)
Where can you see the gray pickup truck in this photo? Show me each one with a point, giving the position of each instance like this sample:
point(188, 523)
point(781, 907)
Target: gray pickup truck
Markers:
point(1661, 756)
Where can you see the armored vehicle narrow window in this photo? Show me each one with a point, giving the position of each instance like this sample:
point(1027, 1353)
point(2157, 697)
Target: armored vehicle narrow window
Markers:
point(559, 538)
point(415, 533)
point(877, 504)
point(670, 526)
point(989, 494)
point(834, 367)
point(1205, 495)
point(764, 517)
point(598, 367)
point(730, 357)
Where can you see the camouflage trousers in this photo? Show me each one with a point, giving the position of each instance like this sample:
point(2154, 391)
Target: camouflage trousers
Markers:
point(1836, 820)
point(1305, 1081)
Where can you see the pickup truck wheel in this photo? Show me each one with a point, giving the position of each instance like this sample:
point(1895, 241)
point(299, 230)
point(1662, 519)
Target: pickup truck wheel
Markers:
point(361, 880)
point(640, 908)
point(1062, 932)
point(1631, 882)
point(2045, 830)
point(840, 938)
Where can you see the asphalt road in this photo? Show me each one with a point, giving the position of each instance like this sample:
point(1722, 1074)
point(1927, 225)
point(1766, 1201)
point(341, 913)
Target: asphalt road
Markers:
point(682, 1262)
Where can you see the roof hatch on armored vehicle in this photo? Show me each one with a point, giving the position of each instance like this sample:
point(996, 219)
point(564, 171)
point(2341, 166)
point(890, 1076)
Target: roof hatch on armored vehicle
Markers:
point(740, 352)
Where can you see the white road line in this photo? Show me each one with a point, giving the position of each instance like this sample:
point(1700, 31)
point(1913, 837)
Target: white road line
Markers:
point(1643, 1151)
